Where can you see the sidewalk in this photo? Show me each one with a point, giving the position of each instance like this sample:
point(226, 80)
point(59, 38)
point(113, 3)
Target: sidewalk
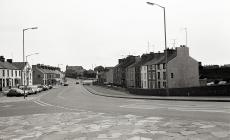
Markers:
point(97, 90)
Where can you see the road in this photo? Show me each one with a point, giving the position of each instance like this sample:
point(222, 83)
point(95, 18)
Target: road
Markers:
point(72, 112)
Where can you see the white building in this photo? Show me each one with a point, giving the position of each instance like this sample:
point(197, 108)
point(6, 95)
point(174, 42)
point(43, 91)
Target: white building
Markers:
point(10, 76)
point(144, 80)
point(27, 73)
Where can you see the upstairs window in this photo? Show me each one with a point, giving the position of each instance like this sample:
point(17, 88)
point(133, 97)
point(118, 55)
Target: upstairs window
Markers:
point(172, 75)
point(8, 73)
point(164, 75)
point(158, 66)
point(159, 75)
point(164, 66)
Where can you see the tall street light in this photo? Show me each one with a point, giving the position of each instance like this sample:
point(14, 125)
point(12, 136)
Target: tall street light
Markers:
point(31, 55)
point(23, 31)
point(166, 55)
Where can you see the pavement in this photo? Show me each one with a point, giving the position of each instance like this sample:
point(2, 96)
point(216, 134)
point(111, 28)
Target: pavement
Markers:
point(87, 125)
point(102, 91)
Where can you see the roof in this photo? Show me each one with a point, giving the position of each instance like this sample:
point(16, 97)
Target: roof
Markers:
point(7, 65)
point(158, 57)
point(75, 67)
point(19, 65)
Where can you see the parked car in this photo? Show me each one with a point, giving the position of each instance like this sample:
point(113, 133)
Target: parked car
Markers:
point(210, 84)
point(16, 92)
point(42, 87)
point(222, 83)
point(65, 84)
point(28, 89)
point(35, 89)
point(50, 86)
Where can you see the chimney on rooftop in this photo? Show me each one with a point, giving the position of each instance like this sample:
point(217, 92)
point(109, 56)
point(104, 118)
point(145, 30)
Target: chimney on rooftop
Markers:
point(2, 58)
point(9, 60)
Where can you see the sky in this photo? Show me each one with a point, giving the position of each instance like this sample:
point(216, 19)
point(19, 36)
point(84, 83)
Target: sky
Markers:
point(89, 33)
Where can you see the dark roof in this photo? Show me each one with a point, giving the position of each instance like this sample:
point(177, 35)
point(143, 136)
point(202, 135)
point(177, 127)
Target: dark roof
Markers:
point(7, 65)
point(19, 65)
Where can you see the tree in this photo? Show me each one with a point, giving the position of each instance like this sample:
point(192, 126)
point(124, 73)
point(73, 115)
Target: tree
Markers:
point(99, 68)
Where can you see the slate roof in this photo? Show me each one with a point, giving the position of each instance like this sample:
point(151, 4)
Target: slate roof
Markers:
point(7, 65)
point(19, 65)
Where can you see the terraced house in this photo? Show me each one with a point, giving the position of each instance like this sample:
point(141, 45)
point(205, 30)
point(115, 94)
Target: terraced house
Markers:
point(182, 70)
point(119, 71)
point(10, 76)
point(46, 75)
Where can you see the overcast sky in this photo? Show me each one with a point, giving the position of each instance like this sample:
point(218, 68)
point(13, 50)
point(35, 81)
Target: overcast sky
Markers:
point(98, 32)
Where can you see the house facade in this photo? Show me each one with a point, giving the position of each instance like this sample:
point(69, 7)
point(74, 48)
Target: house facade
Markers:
point(10, 76)
point(27, 73)
point(119, 71)
point(46, 75)
point(182, 70)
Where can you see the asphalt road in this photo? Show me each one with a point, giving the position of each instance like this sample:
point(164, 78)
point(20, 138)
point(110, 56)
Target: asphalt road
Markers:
point(72, 112)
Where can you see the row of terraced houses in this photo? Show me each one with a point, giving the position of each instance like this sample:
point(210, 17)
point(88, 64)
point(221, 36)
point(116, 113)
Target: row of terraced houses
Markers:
point(149, 70)
point(13, 74)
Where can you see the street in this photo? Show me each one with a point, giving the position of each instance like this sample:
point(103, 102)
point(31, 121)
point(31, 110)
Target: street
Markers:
point(71, 112)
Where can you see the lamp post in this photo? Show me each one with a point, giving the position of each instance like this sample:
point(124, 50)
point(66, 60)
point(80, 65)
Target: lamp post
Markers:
point(23, 40)
point(165, 39)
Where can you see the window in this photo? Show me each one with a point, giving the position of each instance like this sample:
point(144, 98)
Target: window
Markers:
point(159, 84)
point(12, 73)
point(16, 74)
point(158, 75)
point(158, 66)
point(3, 73)
point(153, 76)
point(164, 75)
point(19, 73)
point(164, 84)
point(8, 73)
point(149, 76)
point(153, 67)
point(164, 66)
point(172, 75)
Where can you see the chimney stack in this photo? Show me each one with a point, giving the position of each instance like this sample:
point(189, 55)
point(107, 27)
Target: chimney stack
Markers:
point(2, 58)
point(9, 60)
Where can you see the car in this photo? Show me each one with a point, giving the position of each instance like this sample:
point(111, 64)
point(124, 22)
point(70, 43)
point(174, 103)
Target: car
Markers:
point(28, 89)
point(16, 92)
point(65, 84)
point(44, 87)
point(222, 83)
point(210, 84)
point(37, 88)
point(50, 86)
point(77, 82)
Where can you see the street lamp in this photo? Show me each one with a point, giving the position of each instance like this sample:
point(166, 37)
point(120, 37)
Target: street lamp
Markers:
point(166, 55)
point(30, 55)
point(23, 32)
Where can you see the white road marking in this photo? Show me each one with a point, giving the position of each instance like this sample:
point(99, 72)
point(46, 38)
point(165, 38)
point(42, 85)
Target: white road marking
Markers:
point(39, 103)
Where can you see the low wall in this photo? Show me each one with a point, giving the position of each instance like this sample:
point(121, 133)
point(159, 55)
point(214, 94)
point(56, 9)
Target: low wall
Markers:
point(219, 90)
